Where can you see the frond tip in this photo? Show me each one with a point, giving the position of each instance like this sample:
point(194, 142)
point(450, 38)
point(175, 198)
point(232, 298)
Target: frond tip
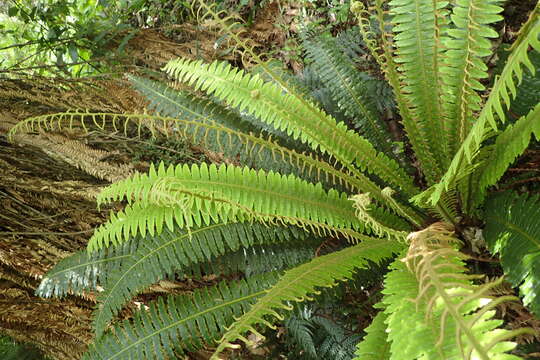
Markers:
point(181, 323)
point(299, 283)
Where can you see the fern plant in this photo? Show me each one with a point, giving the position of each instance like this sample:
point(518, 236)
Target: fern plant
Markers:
point(293, 176)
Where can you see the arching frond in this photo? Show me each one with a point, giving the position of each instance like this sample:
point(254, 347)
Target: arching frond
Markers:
point(180, 323)
point(513, 231)
point(464, 68)
point(375, 345)
point(197, 195)
point(182, 105)
point(447, 317)
point(169, 102)
point(163, 255)
point(417, 31)
point(265, 153)
point(345, 146)
point(382, 49)
point(297, 284)
point(503, 90)
point(302, 120)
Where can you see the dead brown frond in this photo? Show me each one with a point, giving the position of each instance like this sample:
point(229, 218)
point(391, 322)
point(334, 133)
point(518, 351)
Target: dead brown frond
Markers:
point(34, 95)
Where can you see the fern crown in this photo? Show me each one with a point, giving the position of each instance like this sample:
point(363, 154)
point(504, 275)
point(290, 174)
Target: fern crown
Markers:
point(311, 159)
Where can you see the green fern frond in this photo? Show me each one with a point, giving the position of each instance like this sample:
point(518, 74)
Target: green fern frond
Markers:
point(388, 219)
point(300, 119)
point(180, 323)
point(503, 90)
point(277, 68)
point(175, 104)
point(169, 102)
point(163, 255)
point(446, 316)
point(300, 331)
point(513, 231)
point(383, 52)
point(203, 194)
point(348, 88)
point(264, 258)
point(361, 150)
point(336, 344)
point(297, 284)
point(247, 147)
point(467, 44)
point(199, 120)
point(416, 37)
point(82, 272)
point(509, 145)
point(374, 346)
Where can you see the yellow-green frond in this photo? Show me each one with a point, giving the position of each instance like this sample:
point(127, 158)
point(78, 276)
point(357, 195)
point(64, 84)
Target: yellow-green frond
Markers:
point(467, 45)
point(196, 195)
point(374, 345)
point(435, 310)
point(503, 90)
point(299, 283)
point(301, 119)
point(416, 36)
point(383, 50)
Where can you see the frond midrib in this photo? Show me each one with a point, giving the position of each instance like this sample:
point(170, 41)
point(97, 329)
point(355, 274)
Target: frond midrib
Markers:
point(141, 259)
point(218, 184)
point(516, 228)
point(431, 105)
point(464, 84)
point(175, 323)
point(348, 139)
